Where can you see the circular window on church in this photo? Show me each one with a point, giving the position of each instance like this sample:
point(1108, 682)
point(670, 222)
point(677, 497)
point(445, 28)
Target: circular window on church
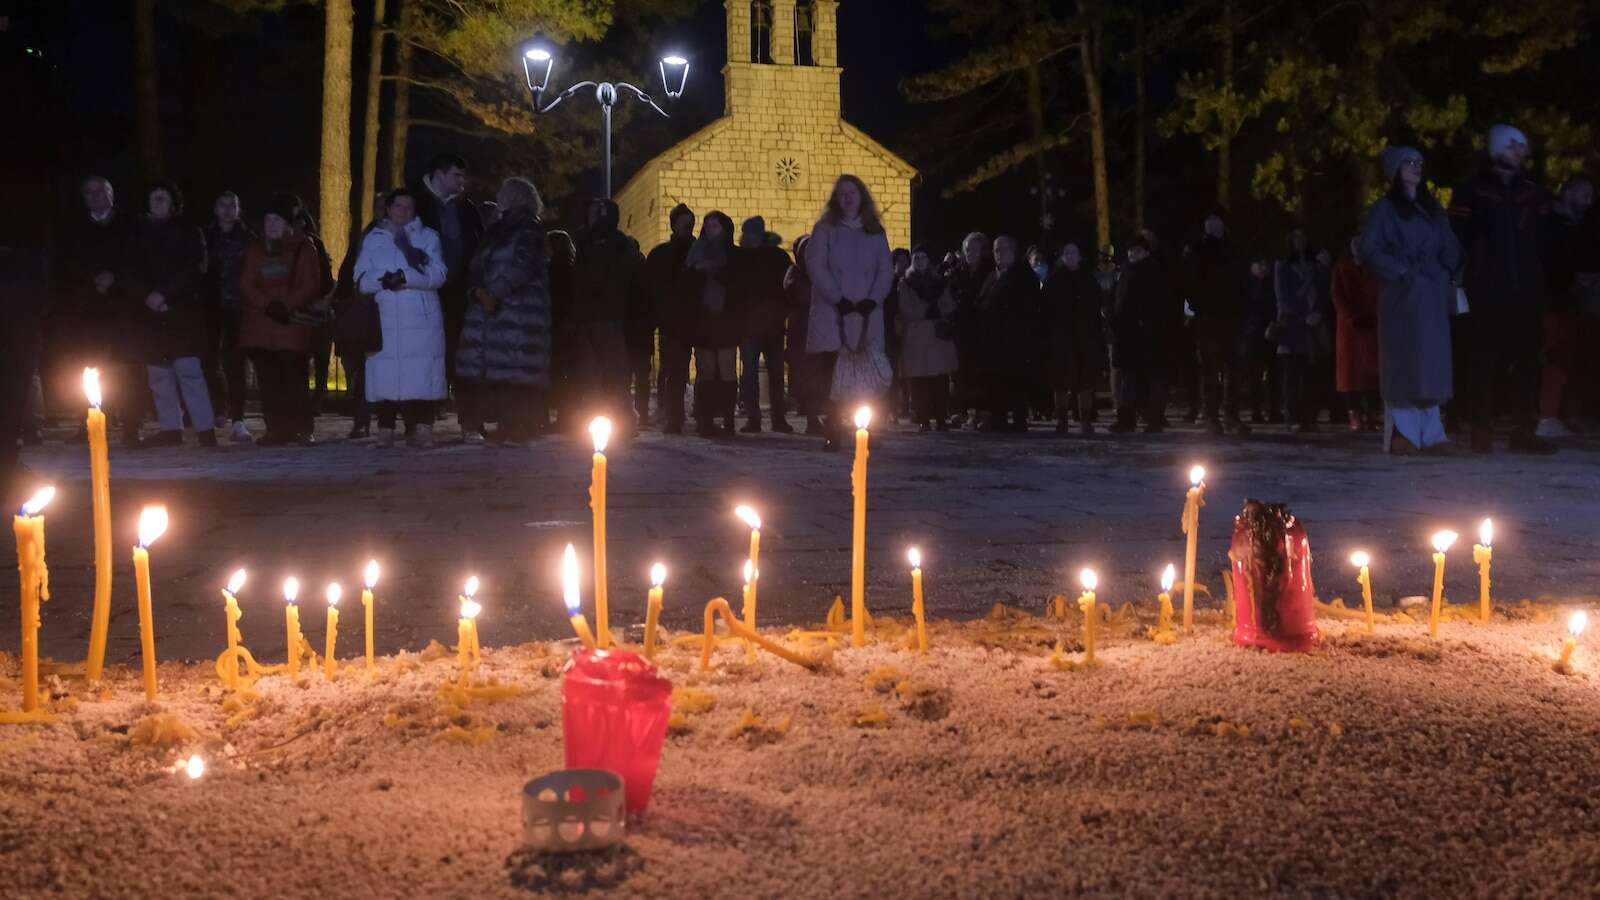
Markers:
point(787, 169)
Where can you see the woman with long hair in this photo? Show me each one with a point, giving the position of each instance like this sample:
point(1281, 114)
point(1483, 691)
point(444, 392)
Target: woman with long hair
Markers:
point(851, 275)
point(1409, 245)
point(717, 315)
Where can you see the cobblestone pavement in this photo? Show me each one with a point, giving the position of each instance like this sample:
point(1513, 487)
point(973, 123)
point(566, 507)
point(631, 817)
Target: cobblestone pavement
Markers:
point(999, 519)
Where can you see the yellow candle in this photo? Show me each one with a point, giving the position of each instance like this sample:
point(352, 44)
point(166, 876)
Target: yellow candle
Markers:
point(569, 592)
point(1574, 628)
point(858, 555)
point(652, 614)
point(152, 524)
point(28, 525)
point(750, 576)
point(1361, 561)
point(1441, 543)
point(1170, 574)
point(467, 655)
point(915, 557)
point(1483, 555)
point(230, 601)
point(291, 619)
point(1191, 527)
point(719, 606)
point(366, 604)
point(100, 479)
point(1086, 604)
point(754, 521)
point(334, 593)
point(600, 430)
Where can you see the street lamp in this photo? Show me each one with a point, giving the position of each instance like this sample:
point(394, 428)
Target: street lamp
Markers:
point(538, 62)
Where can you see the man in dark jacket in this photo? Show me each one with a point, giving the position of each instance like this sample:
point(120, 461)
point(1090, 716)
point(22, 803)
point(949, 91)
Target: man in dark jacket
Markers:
point(227, 237)
point(1144, 324)
point(1216, 292)
point(659, 285)
point(442, 205)
point(1496, 219)
point(966, 280)
point(759, 276)
point(1008, 311)
point(605, 277)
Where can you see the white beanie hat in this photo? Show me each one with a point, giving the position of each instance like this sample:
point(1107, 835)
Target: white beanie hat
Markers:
point(1501, 136)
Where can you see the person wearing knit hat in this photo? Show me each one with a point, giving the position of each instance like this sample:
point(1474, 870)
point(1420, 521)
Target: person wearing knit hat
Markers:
point(1496, 214)
point(1408, 245)
point(662, 270)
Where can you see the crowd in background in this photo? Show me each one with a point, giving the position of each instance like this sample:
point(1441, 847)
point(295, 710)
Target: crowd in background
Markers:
point(1435, 318)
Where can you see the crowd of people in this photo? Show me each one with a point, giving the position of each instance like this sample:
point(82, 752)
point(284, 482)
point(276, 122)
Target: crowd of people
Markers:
point(1436, 317)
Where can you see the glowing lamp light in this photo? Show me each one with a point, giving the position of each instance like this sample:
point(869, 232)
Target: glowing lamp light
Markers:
point(863, 418)
point(40, 500)
point(1197, 475)
point(1443, 540)
point(537, 64)
point(674, 75)
point(194, 767)
point(334, 593)
point(538, 54)
point(372, 574)
point(569, 580)
point(658, 575)
point(600, 430)
point(1360, 559)
point(1486, 533)
point(1577, 623)
point(91, 386)
point(1089, 579)
point(750, 517)
point(915, 557)
point(291, 589)
point(1168, 576)
point(152, 524)
point(236, 582)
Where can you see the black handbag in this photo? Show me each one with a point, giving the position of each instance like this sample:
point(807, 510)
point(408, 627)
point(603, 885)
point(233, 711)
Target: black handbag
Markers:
point(358, 327)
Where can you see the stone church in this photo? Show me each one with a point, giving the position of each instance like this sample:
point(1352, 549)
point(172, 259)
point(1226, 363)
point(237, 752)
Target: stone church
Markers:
point(781, 141)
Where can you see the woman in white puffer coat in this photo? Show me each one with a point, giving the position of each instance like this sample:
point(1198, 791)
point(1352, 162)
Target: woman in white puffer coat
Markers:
point(401, 262)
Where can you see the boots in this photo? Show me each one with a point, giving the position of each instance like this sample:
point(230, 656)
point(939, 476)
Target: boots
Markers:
point(385, 438)
point(422, 437)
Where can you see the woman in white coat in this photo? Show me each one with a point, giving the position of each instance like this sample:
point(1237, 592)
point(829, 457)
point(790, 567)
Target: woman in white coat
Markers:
point(402, 263)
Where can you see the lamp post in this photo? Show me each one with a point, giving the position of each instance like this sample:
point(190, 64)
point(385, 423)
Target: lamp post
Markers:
point(538, 62)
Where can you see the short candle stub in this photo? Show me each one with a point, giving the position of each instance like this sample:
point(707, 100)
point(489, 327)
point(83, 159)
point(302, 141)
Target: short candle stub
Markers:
point(914, 556)
point(600, 430)
point(863, 418)
point(91, 386)
point(291, 589)
point(152, 524)
point(1360, 559)
point(236, 582)
point(1443, 540)
point(39, 501)
point(1088, 579)
point(334, 593)
point(1168, 576)
point(1486, 533)
point(372, 574)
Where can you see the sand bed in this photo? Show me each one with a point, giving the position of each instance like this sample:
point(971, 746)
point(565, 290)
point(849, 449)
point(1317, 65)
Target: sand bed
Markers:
point(1386, 765)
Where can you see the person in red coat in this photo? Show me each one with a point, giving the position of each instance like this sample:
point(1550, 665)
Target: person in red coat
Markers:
point(1355, 301)
point(279, 276)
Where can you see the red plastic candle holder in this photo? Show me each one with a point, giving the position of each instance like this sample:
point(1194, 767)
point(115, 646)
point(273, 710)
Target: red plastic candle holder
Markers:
point(1272, 588)
point(614, 710)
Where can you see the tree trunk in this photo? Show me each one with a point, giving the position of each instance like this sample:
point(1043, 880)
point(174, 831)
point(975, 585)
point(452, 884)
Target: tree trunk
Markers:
point(369, 124)
point(400, 119)
point(1089, 55)
point(147, 87)
point(334, 196)
point(1141, 113)
point(1036, 132)
point(1226, 123)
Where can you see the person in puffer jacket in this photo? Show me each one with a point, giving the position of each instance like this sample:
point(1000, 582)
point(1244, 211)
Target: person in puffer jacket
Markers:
point(503, 360)
point(402, 265)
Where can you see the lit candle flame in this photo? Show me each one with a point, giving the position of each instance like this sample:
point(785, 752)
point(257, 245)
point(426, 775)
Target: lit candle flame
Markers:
point(863, 418)
point(1443, 540)
point(1575, 625)
point(471, 589)
point(600, 430)
point(749, 516)
point(194, 767)
point(1360, 559)
point(1089, 579)
point(1486, 533)
point(470, 608)
point(334, 593)
point(1197, 475)
point(236, 582)
point(1168, 575)
point(152, 524)
point(569, 580)
point(749, 571)
point(91, 386)
point(658, 575)
point(291, 589)
point(39, 501)
point(372, 574)
point(915, 556)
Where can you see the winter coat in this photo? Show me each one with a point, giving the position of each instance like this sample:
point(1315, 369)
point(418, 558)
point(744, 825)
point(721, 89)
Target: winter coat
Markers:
point(797, 301)
point(290, 277)
point(411, 364)
point(1214, 286)
point(1072, 325)
point(95, 321)
point(1142, 317)
point(846, 263)
point(924, 304)
point(605, 274)
point(512, 344)
point(459, 226)
point(1299, 306)
point(1496, 222)
point(224, 258)
point(1415, 259)
point(710, 289)
point(659, 279)
point(760, 282)
point(1008, 313)
point(1355, 301)
point(166, 257)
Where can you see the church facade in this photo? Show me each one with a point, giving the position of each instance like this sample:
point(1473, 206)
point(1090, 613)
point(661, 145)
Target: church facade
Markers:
point(781, 141)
